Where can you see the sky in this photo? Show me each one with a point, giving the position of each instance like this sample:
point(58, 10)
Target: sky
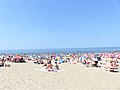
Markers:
point(45, 24)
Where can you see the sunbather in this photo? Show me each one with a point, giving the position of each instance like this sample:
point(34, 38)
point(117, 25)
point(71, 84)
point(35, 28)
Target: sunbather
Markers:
point(1, 63)
point(56, 67)
point(112, 66)
point(50, 66)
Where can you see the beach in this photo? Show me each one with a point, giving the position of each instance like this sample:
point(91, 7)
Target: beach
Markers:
point(23, 76)
point(60, 45)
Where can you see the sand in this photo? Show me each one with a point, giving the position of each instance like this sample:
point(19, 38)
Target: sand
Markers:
point(23, 76)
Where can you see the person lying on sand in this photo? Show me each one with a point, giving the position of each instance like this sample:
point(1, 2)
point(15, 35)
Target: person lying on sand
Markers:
point(111, 65)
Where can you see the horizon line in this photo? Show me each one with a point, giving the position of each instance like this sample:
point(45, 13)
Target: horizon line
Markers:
point(59, 48)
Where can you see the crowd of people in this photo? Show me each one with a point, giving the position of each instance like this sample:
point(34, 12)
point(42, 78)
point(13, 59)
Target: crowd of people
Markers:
point(51, 61)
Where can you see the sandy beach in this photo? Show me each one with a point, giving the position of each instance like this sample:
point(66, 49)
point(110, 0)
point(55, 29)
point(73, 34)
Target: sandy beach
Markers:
point(59, 44)
point(23, 76)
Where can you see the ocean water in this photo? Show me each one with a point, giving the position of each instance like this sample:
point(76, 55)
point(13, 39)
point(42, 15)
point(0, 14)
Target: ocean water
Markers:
point(62, 50)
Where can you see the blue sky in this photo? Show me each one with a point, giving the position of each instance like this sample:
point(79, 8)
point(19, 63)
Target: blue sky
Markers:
point(43, 24)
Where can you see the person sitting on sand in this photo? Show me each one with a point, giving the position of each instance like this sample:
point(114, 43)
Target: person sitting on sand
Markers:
point(56, 66)
point(88, 62)
point(95, 63)
point(1, 63)
point(45, 62)
point(50, 66)
point(114, 63)
point(7, 65)
point(84, 61)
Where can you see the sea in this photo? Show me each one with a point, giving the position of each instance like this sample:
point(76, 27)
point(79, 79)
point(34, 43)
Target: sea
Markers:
point(62, 50)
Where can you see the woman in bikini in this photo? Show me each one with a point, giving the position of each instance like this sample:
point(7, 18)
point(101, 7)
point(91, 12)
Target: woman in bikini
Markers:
point(50, 66)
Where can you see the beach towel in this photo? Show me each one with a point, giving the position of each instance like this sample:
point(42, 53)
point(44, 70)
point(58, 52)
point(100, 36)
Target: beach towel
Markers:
point(45, 70)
